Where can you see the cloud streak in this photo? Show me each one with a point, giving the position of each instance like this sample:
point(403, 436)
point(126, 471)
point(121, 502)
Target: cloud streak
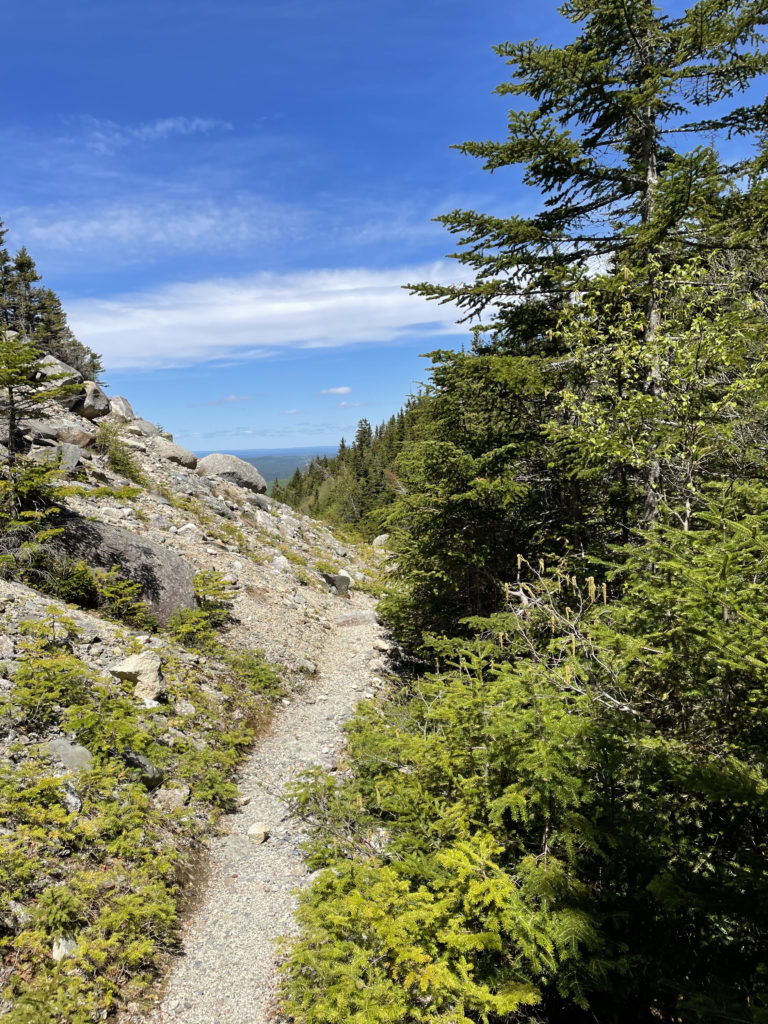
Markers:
point(104, 136)
point(228, 319)
point(336, 391)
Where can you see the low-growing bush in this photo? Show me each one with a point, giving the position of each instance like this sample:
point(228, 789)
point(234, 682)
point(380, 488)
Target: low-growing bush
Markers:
point(120, 458)
point(91, 858)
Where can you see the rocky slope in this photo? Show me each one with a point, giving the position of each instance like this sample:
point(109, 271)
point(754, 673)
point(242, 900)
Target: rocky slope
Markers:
point(295, 595)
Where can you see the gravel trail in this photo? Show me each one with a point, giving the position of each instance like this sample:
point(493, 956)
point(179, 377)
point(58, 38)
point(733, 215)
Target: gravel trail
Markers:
point(227, 972)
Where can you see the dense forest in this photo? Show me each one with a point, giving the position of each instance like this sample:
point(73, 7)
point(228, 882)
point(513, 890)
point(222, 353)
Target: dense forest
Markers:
point(355, 485)
point(563, 816)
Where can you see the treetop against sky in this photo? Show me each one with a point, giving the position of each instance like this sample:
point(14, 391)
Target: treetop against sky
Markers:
point(230, 194)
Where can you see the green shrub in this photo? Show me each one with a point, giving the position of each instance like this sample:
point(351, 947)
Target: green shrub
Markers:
point(74, 582)
point(120, 598)
point(108, 873)
point(120, 458)
point(192, 628)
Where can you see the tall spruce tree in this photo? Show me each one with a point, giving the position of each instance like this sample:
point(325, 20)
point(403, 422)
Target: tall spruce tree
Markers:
point(600, 146)
point(601, 140)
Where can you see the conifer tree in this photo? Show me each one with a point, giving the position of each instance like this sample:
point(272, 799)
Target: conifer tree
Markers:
point(599, 147)
point(620, 200)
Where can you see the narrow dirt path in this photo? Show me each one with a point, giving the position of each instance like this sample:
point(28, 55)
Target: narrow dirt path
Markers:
point(227, 973)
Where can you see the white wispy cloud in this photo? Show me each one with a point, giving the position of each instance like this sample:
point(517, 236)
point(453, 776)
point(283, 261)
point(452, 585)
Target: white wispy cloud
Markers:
point(104, 136)
point(128, 230)
point(290, 412)
point(336, 391)
point(350, 405)
point(246, 318)
point(230, 398)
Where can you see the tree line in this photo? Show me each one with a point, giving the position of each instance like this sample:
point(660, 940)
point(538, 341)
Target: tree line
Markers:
point(563, 817)
point(355, 485)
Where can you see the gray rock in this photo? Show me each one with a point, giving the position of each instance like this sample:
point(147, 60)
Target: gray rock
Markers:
point(258, 833)
point(170, 800)
point(63, 946)
point(338, 580)
point(69, 456)
point(262, 501)
point(68, 433)
point(50, 368)
point(71, 800)
point(234, 470)
point(167, 580)
point(136, 444)
point(71, 755)
point(141, 428)
point(144, 671)
point(174, 452)
point(120, 409)
point(35, 429)
point(380, 541)
point(189, 530)
point(151, 776)
point(218, 506)
point(91, 403)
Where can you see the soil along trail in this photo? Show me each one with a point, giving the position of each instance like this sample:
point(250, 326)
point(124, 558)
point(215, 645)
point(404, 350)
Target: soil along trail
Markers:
point(227, 973)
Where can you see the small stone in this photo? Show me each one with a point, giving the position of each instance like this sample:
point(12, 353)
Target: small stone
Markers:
point(71, 755)
point(171, 799)
point(71, 800)
point(63, 947)
point(258, 833)
point(151, 775)
point(143, 670)
point(285, 702)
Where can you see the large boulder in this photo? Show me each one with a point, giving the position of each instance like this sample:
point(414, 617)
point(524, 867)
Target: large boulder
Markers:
point(167, 580)
point(174, 452)
point(68, 456)
point(141, 428)
point(120, 409)
point(234, 470)
point(91, 403)
point(53, 429)
point(51, 369)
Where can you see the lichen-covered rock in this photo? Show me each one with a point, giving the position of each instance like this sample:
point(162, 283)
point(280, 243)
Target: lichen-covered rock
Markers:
point(234, 470)
point(174, 452)
point(167, 580)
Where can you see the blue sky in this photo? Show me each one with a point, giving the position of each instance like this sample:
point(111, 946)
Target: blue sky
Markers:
point(229, 194)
